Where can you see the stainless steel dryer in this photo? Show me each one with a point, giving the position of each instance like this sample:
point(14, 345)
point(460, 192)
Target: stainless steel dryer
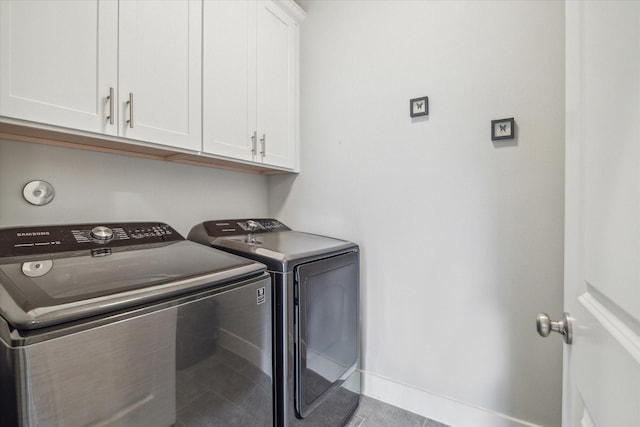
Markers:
point(131, 325)
point(316, 311)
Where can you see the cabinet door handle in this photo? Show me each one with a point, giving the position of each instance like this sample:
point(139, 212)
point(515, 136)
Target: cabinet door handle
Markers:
point(130, 103)
point(254, 142)
point(111, 101)
point(263, 142)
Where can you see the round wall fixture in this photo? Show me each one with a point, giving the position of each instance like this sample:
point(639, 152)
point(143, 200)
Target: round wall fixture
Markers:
point(38, 192)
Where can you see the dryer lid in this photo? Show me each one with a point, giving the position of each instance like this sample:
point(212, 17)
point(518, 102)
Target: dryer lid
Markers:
point(272, 243)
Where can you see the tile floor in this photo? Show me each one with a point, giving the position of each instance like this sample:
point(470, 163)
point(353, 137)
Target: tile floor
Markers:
point(374, 413)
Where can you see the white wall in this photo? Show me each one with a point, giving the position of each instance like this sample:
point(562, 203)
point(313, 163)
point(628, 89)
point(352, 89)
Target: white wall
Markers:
point(462, 239)
point(96, 188)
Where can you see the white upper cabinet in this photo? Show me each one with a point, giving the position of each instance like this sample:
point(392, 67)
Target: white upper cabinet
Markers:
point(228, 36)
point(218, 78)
point(160, 71)
point(58, 60)
point(62, 60)
point(250, 81)
point(276, 86)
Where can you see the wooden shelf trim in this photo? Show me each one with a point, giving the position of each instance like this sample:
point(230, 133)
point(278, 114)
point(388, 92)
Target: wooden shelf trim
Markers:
point(69, 140)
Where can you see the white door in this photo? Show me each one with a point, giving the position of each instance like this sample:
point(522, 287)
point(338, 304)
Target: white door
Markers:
point(228, 80)
point(58, 60)
point(275, 85)
point(160, 71)
point(602, 257)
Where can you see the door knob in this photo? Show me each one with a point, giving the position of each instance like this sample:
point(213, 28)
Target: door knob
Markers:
point(545, 326)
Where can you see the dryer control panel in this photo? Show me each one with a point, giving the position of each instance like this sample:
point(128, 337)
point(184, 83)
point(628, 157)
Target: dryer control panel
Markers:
point(34, 240)
point(235, 227)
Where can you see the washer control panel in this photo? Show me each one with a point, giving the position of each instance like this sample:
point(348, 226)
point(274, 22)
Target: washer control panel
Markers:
point(64, 238)
point(234, 227)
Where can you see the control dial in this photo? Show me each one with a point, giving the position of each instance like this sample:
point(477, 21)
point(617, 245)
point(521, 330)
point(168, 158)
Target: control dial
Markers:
point(252, 225)
point(102, 234)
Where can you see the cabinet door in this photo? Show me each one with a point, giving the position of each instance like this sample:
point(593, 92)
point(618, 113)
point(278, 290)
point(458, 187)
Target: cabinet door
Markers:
point(228, 56)
point(58, 60)
point(160, 71)
point(276, 82)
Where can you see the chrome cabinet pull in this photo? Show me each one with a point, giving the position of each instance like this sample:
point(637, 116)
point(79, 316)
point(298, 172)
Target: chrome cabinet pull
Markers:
point(545, 326)
point(130, 103)
point(254, 145)
point(263, 142)
point(111, 101)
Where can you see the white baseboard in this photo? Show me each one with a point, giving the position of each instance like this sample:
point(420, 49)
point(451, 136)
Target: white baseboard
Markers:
point(438, 408)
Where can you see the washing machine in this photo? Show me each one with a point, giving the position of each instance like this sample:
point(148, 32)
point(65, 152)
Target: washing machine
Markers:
point(316, 314)
point(130, 324)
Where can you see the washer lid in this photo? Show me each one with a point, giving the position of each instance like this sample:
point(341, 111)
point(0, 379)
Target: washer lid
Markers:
point(42, 290)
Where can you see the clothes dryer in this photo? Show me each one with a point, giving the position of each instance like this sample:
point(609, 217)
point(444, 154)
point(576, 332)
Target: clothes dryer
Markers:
point(316, 313)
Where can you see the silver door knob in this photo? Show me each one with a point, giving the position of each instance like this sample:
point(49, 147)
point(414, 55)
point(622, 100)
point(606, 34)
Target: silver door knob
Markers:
point(545, 326)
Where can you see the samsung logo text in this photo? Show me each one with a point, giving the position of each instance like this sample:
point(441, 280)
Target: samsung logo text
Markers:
point(33, 233)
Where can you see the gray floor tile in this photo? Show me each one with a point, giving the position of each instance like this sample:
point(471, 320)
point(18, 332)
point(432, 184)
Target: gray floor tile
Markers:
point(355, 421)
point(379, 414)
point(374, 413)
point(433, 423)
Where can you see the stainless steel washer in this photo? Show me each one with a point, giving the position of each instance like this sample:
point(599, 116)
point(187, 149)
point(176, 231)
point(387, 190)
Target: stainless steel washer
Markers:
point(316, 311)
point(131, 325)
